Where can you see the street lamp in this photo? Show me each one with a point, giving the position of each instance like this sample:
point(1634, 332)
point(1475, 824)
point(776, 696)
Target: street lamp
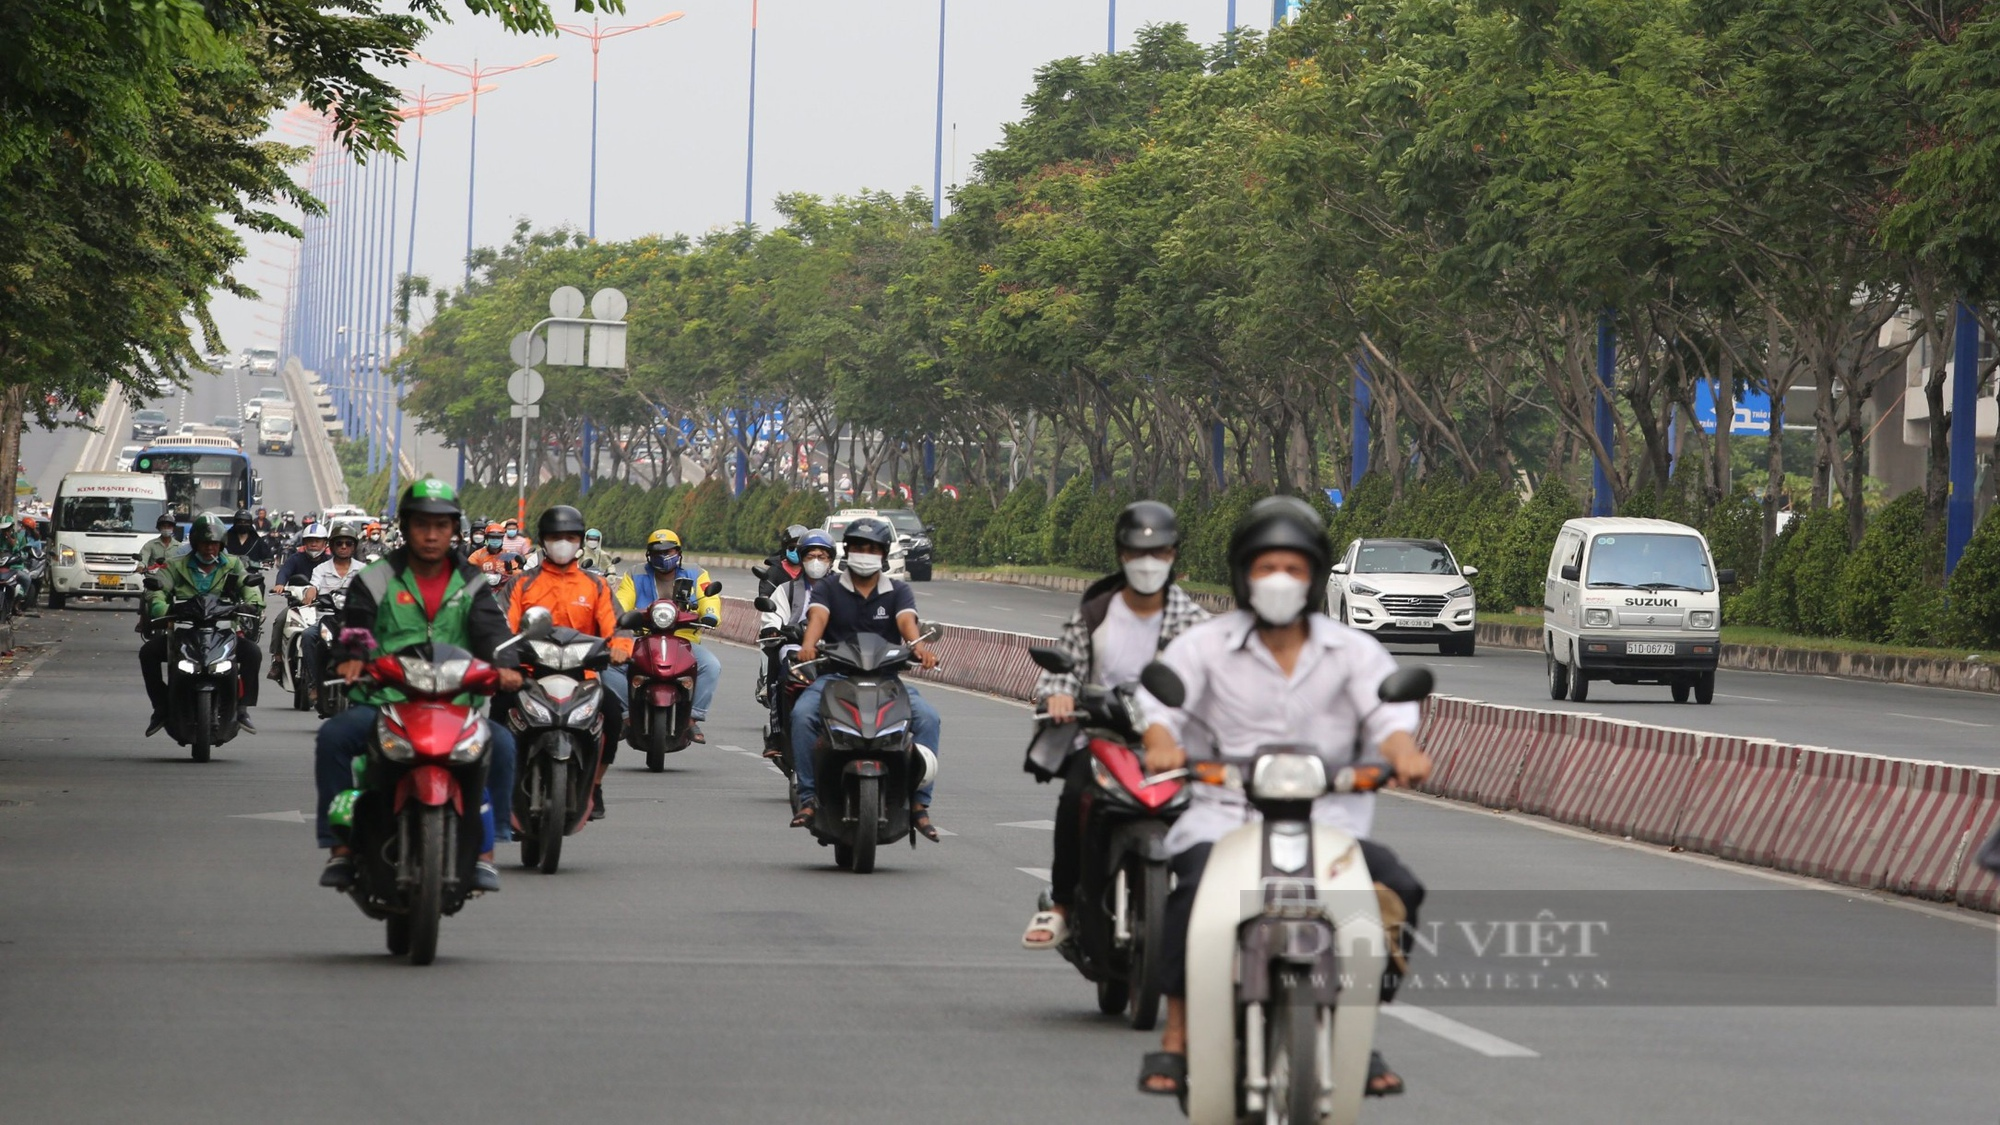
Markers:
point(597, 35)
point(750, 146)
point(475, 75)
point(937, 162)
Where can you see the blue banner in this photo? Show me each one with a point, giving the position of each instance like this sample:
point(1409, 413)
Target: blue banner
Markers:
point(1752, 416)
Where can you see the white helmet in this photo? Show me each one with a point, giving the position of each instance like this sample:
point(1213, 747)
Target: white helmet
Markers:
point(316, 531)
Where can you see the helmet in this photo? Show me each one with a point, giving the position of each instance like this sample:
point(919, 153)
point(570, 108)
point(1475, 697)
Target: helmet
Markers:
point(788, 539)
point(1280, 523)
point(289, 514)
point(513, 525)
point(166, 520)
point(316, 531)
point(559, 520)
point(494, 528)
point(343, 530)
point(661, 540)
point(428, 497)
point(869, 529)
point(208, 528)
point(593, 533)
point(243, 517)
point(818, 539)
point(1146, 525)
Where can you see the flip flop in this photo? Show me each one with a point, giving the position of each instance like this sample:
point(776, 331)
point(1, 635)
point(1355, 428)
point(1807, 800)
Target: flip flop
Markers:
point(1164, 1064)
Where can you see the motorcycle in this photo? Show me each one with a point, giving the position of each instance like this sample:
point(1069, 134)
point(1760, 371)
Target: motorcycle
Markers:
point(660, 718)
point(559, 723)
point(301, 620)
point(18, 579)
point(1118, 921)
point(333, 692)
point(867, 759)
point(778, 697)
point(413, 815)
point(1286, 945)
point(204, 688)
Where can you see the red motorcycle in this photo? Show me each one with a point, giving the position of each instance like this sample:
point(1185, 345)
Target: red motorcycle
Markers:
point(659, 717)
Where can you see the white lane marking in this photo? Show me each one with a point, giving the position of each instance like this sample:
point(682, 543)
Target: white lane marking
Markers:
point(736, 749)
point(1936, 719)
point(774, 769)
point(1751, 698)
point(944, 831)
point(290, 816)
point(1053, 616)
point(1041, 873)
point(1044, 825)
point(1465, 1035)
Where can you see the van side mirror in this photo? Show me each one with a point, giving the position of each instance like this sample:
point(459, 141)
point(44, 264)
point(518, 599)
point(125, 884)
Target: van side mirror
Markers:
point(1164, 684)
point(1051, 660)
point(1570, 572)
point(1726, 577)
point(1406, 685)
point(1469, 571)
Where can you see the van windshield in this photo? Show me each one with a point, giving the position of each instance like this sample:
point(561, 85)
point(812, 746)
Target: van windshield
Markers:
point(1649, 562)
point(108, 513)
point(278, 425)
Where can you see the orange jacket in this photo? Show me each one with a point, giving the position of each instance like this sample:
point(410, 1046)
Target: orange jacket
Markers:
point(577, 598)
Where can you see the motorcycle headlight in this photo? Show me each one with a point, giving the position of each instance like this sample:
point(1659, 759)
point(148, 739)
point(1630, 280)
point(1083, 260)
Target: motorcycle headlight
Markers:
point(185, 666)
point(390, 738)
point(586, 708)
point(1105, 778)
point(1288, 777)
point(663, 615)
point(471, 741)
point(1701, 619)
point(532, 707)
point(221, 666)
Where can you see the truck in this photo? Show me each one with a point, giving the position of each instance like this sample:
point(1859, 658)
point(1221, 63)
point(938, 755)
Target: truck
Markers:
point(102, 520)
point(277, 428)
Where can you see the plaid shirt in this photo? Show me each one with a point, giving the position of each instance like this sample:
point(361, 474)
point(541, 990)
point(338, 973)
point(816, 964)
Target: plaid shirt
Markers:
point(1181, 614)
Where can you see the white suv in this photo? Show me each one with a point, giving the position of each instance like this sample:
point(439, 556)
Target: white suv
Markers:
point(1406, 591)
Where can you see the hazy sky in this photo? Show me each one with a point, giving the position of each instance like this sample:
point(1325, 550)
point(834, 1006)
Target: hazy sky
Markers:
point(846, 95)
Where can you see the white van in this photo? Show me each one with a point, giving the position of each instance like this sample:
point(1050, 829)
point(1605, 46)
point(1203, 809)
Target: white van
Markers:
point(101, 521)
point(1632, 601)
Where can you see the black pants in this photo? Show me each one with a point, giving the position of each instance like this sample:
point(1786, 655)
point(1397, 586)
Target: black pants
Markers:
point(1066, 866)
point(1383, 867)
point(153, 659)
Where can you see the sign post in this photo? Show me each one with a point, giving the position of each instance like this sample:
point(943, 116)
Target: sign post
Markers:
point(564, 338)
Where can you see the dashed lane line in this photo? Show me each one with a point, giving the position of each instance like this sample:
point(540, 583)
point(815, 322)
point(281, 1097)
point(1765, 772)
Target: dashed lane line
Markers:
point(1044, 825)
point(1041, 873)
point(1465, 1035)
point(1938, 719)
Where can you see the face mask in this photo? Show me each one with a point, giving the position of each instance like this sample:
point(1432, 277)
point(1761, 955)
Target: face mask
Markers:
point(816, 569)
point(493, 544)
point(1147, 574)
point(1277, 599)
point(791, 556)
point(561, 552)
point(863, 565)
point(663, 563)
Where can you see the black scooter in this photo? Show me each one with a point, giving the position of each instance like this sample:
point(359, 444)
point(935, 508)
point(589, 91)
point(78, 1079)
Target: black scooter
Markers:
point(204, 684)
point(867, 760)
point(558, 719)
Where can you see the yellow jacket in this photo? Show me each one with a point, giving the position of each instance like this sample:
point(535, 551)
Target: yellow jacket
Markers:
point(642, 588)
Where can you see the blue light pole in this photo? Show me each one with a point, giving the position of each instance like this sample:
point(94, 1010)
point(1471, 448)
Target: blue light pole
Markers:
point(1364, 397)
point(750, 143)
point(937, 162)
point(597, 35)
point(1958, 511)
point(1111, 28)
point(474, 75)
point(1602, 502)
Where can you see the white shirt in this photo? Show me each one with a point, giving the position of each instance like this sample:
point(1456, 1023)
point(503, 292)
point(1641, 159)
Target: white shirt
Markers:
point(1124, 643)
point(1244, 700)
point(326, 580)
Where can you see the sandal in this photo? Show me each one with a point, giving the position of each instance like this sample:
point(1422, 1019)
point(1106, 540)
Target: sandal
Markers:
point(1055, 924)
point(920, 822)
point(803, 817)
point(1167, 1065)
point(1382, 1082)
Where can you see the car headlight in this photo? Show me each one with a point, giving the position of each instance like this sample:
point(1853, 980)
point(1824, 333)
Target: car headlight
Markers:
point(1288, 777)
point(534, 710)
point(68, 555)
point(1363, 590)
point(1597, 617)
point(1701, 619)
point(1461, 592)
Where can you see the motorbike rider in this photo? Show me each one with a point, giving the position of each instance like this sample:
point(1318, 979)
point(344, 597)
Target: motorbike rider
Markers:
point(1124, 621)
point(156, 552)
point(594, 555)
point(244, 542)
point(789, 600)
point(493, 555)
point(656, 580)
point(515, 540)
point(334, 572)
point(263, 521)
point(784, 566)
point(297, 571)
point(842, 607)
point(416, 593)
point(204, 570)
point(578, 599)
point(1276, 669)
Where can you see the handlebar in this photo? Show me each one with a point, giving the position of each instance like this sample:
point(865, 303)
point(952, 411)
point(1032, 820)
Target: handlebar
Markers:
point(1229, 775)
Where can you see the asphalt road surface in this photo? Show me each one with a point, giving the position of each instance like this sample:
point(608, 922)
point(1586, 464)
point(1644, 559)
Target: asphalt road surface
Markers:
point(1893, 719)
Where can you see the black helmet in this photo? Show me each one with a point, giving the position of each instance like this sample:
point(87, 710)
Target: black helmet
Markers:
point(788, 539)
point(1280, 523)
point(869, 529)
point(428, 497)
point(559, 520)
point(243, 518)
point(1146, 525)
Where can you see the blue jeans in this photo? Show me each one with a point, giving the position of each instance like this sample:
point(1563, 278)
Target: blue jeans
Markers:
point(707, 677)
point(344, 738)
point(924, 721)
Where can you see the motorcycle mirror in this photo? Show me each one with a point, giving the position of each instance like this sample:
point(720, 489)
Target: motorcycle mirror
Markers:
point(537, 623)
point(1406, 685)
point(255, 580)
point(759, 572)
point(764, 605)
point(1164, 684)
point(632, 619)
point(618, 560)
point(711, 590)
point(151, 582)
point(1051, 660)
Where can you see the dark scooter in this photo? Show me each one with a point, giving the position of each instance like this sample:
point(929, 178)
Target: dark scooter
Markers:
point(204, 684)
point(1118, 921)
point(778, 697)
point(332, 692)
point(558, 720)
point(659, 720)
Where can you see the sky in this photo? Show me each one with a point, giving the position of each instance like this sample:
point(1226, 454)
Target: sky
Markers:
point(846, 101)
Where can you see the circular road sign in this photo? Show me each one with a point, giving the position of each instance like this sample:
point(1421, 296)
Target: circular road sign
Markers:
point(527, 349)
point(607, 304)
point(566, 302)
point(525, 386)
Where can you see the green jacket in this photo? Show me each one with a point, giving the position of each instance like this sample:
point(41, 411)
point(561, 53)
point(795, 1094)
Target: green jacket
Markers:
point(179, 582)
point(383, 599)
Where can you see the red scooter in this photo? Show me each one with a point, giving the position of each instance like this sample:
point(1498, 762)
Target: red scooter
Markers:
point(659, 719)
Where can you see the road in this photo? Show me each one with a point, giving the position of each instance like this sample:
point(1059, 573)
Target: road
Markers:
point(1898, 720)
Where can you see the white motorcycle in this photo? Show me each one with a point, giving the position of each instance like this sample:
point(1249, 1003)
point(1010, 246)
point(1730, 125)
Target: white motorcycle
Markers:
point(1286, 945)
point(301, 617)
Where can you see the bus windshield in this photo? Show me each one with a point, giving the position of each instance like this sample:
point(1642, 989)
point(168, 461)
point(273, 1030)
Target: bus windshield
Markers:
point(201, 482)
point(108, 513)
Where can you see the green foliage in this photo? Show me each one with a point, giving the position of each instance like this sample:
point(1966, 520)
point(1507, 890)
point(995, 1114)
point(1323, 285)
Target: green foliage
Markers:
point(1523, 557)
point(961, 525)
point(1205, 533)
point(1014, 535)
point(1973, 594)
point(704, 518)
point(1890, 560)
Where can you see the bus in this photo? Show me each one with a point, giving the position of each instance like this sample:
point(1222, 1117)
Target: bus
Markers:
point(201, 478)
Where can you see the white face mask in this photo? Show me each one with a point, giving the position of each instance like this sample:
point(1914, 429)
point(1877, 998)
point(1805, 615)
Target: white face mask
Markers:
point(863, 564)
point(1277, 599)
point(561, 552)
point(1147, 574)
point(816, 568)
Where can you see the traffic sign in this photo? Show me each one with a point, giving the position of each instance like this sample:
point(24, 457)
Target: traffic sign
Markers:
point(527, 349)
point(525, 386)
point(519, 411)
point(607, 304)
point(566, 302)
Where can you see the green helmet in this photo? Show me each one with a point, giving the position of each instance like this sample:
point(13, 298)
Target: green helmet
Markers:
point(431, 497)
point(208, 528)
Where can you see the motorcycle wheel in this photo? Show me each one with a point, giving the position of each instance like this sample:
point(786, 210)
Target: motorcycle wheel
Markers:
point(843, 857)
point(397, 929)
point(1293, 1052)
point(204, 725)
point(867, 822)
point(301, 691)
point(555, 813)
point(427, 903)
point(1148, 911)
point(656, 745)
point(531, 851)
point(1112, 996)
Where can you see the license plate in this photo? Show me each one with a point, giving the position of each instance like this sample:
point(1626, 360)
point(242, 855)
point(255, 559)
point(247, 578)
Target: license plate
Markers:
point(111, 580)
point(1649, 648)
point(1414, 623)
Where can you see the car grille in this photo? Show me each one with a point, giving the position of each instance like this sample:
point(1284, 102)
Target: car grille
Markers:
point(1413, 605)
point(122, 564)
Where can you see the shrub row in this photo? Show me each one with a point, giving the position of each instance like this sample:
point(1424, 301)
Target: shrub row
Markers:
point(705, 516)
